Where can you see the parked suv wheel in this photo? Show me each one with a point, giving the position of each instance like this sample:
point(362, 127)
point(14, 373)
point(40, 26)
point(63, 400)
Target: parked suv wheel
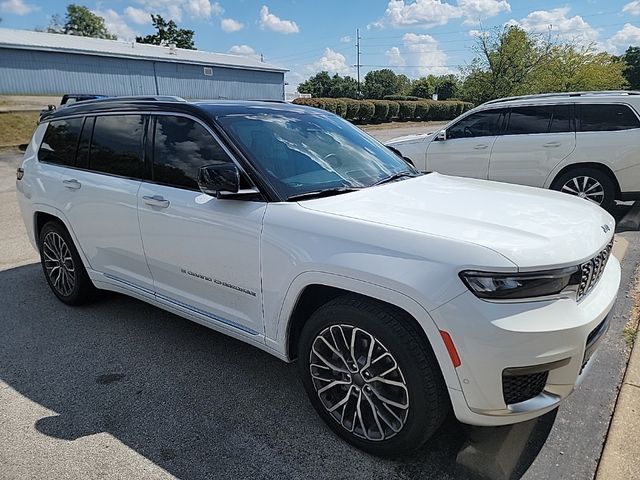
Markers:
point(370, 376)
point(588, 183)
point(63, 267)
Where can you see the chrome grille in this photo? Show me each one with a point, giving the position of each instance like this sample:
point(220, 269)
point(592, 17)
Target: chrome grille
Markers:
point(592, 270)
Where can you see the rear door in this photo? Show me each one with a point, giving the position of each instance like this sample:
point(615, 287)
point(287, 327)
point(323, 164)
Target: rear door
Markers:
point(467, 148)
point(102, 191)
point(536, 139)
point(203, 252)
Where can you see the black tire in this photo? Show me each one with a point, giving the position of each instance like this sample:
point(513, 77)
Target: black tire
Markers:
point(81, 290)
point(608, 201)
point(426, 394)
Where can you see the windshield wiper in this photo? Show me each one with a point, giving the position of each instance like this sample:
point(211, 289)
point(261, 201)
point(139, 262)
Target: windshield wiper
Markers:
point(397, 176)
point(322, 193)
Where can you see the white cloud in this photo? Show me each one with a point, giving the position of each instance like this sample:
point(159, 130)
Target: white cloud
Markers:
point(331, 61)
point(274, 23)
point(632, 7)
point(244, 50)
point(137, 15)
point(345, 39)
point(558, 24)
point(202, 8)
point(394, 57)
point(424, 52)
point(174, 9)
point(116, 24)
point(623, 38)
point(17, 7)
point(431, 13)
point(230, 25)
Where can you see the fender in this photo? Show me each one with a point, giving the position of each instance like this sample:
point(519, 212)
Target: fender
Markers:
point(59, 214)
point(385, 294)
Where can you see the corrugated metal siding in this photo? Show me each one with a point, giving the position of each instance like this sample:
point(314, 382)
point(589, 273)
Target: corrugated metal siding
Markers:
point(50, 73)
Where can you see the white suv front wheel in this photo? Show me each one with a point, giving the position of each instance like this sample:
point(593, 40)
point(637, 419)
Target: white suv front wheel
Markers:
point(371, 376)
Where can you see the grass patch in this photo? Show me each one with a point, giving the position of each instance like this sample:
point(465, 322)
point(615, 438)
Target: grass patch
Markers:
point(17, 127)
point(630, 330)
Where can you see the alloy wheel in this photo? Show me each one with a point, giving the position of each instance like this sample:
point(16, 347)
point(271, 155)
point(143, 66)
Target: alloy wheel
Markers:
point(58, 263)
point(359, 382)
point(585, 187)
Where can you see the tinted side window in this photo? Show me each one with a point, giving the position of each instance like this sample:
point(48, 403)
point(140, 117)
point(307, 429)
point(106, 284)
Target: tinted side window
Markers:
point(181, 147)
point(602, 117)
point(480, 124)
point(561, 120)
point(529, 120)
point(116, 146)
point(61, 141)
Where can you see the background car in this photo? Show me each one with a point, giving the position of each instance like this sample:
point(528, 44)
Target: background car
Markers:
point(585, 144)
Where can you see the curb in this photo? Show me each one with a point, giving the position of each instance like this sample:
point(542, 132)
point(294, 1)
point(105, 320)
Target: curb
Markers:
point(620, 458)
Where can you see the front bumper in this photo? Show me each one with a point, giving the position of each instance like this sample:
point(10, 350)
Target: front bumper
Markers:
point(494, 339)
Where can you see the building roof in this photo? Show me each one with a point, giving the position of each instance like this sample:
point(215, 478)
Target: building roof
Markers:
point(55, 42)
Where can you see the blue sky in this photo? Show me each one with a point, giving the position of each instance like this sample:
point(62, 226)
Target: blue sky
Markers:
point(415, 37)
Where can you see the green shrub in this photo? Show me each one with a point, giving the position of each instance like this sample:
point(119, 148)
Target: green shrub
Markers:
point(353, 107)
point(407, 110)
point(330, 104)
point(341, 108)
point(467, 106)
point(402, 97)
point(394, 109)
point(381, 110)
point(367, 109)
point(422, 110)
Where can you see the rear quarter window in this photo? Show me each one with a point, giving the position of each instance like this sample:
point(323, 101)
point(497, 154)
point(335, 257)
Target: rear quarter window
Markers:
point(606, 118)
point(60, 142)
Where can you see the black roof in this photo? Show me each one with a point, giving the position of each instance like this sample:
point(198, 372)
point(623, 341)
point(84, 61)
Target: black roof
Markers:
point(159, 103)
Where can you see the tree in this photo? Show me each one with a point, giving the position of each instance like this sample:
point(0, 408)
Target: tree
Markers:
point(447, 86)
point(318, 86)
point(631, 59)
point(570, 68)
point(506, 59)
point(423, 87)
point(80, 21)
point(378, 83)
point(323, 85)
point(168, 33)
point(404, 85)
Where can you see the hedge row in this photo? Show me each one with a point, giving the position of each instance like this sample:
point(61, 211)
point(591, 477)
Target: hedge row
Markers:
point(378, 111)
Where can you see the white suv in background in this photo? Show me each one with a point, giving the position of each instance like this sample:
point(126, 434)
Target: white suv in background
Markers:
point(400, 294)
point(585, 144)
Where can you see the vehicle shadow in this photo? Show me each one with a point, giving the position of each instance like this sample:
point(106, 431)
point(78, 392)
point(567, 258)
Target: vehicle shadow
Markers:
point(194, 402)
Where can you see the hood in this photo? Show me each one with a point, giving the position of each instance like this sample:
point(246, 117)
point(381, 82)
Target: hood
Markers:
point(416, 137)
point(532, 227)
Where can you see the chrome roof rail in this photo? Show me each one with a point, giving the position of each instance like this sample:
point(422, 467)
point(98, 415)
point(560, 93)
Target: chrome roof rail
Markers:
point(565, 95)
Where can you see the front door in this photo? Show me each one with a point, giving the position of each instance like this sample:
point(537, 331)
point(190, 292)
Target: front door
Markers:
point(203, 252)
point(467, 148)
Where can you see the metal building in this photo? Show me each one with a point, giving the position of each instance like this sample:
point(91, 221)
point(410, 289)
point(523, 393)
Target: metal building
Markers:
point(36, 63)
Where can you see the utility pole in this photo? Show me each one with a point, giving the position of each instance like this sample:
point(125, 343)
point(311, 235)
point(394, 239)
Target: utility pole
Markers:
point(358, 57)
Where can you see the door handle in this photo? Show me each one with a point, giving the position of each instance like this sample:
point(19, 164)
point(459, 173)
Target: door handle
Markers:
point(481, 146)
point(552, 144)
point(73, 184)
point(156, 201)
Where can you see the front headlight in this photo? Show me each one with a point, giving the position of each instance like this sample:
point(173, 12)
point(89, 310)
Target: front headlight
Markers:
point(513, 286)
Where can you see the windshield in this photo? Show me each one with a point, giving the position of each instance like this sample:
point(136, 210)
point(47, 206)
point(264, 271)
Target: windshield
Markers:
point(302, 153)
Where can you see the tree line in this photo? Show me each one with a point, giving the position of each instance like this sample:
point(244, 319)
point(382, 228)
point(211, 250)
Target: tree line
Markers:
point(508, 61)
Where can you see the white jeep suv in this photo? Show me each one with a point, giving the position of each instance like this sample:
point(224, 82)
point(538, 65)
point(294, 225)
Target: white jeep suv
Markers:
point(402, 295)
point(585, 144)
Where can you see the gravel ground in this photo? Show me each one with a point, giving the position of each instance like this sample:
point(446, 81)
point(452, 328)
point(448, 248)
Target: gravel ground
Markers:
point(121, 389)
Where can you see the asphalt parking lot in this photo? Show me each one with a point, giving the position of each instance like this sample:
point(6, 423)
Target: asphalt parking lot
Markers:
point(121, 389)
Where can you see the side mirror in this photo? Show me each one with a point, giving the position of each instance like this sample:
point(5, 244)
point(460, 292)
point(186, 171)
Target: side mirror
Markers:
point(23, 147)
point(441, 136)
point(218, 178)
